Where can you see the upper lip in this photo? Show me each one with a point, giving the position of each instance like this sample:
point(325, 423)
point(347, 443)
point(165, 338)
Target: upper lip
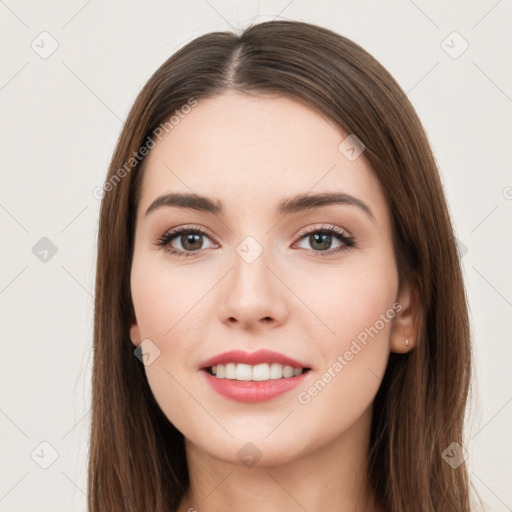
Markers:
point(252, 358)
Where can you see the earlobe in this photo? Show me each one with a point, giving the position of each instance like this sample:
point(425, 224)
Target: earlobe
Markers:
point(135, 334)
point(405, 323)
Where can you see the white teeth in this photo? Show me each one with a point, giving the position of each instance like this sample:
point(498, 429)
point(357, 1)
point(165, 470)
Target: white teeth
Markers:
point(259, 372)
point(230, 371)
point(276, 371)
point(243, 372)
point(288, 372)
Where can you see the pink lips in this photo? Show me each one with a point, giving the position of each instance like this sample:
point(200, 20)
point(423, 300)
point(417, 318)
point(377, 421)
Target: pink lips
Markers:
point(253, 358)
point(252, 391)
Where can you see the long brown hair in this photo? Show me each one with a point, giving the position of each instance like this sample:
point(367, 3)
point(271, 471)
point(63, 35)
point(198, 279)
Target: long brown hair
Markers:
point(137, 458)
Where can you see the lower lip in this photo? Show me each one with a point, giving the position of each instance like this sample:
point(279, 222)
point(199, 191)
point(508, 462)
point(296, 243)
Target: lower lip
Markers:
point(253, 391)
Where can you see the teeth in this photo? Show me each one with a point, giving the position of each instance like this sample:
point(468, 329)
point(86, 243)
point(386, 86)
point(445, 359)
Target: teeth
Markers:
point(243, 371)
point(258, 372)
point(230, 371)
point(276, 371)
point(287, 372)
point(261, 372)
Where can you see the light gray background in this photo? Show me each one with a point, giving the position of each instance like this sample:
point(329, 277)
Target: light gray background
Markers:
point(60, 118)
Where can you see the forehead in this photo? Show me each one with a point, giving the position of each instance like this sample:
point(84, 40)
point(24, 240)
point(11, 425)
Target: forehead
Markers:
point(250, 151)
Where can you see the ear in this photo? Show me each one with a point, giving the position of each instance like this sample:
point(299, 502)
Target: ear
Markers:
point(405, 323)
point(134, 332)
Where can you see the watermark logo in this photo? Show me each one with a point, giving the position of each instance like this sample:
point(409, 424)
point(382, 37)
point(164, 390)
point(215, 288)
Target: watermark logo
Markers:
point(44, 250)
point(454, 455)
point(44, 45)
point(44, 455)
point(454, 45)
point(249, 249)
point(249, 455)
point(351, 147)
point(461, 247)
point(147, 352)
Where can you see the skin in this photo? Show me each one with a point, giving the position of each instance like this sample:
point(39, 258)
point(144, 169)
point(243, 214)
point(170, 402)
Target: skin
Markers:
point(250, 152)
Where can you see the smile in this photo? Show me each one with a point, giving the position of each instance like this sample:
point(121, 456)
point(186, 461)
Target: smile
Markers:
point(259, 372)
point(252, 377)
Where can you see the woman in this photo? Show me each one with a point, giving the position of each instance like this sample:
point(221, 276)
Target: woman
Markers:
point(280, 316)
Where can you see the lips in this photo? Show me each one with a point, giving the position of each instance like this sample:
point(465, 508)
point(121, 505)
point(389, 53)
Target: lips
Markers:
point(251, 392)
point(252, 358)
point(257, 389)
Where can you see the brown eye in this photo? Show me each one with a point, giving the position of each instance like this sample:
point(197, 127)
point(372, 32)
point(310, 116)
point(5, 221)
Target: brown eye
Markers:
point(321, 240)
point(190, 241)
point(183, 241)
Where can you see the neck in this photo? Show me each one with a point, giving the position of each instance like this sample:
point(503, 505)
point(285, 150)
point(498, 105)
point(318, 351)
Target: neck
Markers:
point(330, 477)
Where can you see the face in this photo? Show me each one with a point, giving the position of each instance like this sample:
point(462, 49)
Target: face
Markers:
point(314, 282)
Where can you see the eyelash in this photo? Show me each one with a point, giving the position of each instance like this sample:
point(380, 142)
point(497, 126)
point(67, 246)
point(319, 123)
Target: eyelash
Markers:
point(346, 239)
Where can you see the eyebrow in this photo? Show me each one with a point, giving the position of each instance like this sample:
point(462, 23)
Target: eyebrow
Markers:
point(298, 203)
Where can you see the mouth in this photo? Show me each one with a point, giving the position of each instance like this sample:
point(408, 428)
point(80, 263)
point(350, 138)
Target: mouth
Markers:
point(252, 377)
point(255, 373)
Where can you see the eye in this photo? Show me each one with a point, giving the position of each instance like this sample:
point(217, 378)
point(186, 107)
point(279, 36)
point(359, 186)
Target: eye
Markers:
point(190, 240)
point(321, 240)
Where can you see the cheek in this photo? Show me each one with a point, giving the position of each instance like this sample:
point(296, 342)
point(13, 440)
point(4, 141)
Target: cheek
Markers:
point(347, 299)
point(168, 310)
point(355, 302)
point(166, 300)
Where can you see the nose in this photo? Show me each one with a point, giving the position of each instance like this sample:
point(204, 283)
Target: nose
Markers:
point(253, 296)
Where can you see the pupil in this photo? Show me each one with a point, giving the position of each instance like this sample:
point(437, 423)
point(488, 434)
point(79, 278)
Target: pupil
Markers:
point(321, 238)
